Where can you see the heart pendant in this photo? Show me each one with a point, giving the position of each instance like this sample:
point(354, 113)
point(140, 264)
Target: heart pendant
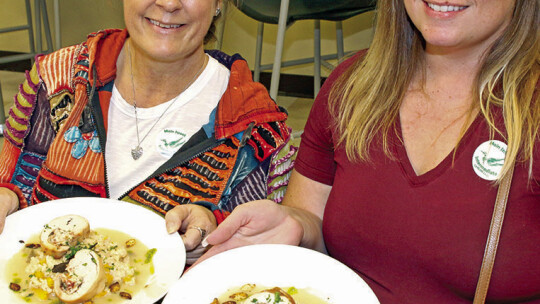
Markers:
point(136, 152)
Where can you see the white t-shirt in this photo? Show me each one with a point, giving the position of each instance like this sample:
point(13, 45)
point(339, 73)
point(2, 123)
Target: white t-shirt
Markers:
point(188, 112)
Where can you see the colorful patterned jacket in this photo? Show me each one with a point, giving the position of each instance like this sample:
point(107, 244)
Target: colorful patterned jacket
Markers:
point(56, 132)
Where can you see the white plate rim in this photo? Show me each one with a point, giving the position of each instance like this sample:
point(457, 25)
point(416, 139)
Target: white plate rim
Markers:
point(169, 259)
point(201, 284)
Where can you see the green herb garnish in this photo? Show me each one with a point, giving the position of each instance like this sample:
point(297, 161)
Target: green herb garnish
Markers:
point(74, 249)
point(149, 255)
point(292, 291)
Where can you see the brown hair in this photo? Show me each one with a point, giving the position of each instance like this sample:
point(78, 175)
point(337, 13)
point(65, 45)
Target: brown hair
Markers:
point(211, 34)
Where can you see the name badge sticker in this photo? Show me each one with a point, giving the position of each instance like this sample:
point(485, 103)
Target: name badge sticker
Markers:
point(488, 159)
point(169, 141)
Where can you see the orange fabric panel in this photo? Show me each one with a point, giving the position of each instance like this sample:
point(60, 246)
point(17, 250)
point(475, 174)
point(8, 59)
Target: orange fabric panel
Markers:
point(245, 101)
point(45, 173)
point(107, 54)
point(8, 160)
point(104, 102)
point(90, 166)
point(55, 70)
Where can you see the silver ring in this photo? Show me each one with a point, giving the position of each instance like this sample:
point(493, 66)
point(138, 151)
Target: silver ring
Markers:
point(201, 230)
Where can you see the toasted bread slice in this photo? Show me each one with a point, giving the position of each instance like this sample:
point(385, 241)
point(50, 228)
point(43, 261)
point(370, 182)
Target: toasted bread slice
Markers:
point(270, 296)
point(63, 232)
point(83, 279)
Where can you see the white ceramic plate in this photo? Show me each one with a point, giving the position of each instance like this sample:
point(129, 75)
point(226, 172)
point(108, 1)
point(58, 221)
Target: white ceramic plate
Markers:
point(271, 265)
point(137, 221)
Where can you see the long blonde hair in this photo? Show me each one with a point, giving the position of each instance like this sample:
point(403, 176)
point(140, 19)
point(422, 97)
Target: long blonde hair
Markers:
point(365, 100)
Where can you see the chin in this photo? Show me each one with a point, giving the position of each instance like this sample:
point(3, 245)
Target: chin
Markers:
point(443, 41)
point(166, 55)
point(164, 50)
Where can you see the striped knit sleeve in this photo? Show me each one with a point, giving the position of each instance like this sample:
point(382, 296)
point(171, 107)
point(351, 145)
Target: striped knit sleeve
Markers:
point(280, 171)
point(17, 123)
point(17, 126)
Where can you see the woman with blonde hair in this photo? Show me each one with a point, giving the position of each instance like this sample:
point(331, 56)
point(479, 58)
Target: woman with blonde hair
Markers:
point(405, 145)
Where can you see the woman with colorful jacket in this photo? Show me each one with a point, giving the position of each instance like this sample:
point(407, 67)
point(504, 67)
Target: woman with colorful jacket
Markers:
point(145, 115)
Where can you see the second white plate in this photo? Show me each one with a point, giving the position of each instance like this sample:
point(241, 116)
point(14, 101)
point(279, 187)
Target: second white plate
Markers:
point(271, 265)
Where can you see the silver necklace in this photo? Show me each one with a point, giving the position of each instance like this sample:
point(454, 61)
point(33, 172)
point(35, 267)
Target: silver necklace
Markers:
point(137, 151)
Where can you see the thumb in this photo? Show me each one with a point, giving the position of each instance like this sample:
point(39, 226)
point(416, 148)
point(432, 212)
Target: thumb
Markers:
point(227, 228)
point(3, 216)
point(175, 217)
point(214, 250)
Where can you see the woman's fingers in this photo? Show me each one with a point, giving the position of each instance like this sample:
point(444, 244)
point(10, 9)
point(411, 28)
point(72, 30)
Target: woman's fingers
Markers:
point(9, 202)
point(194, 235)
point(230, 225)
point(258, 222)
point(4, 212)
point(213, 250)
point(248, 223)
point(194, 221)
point(2, 223)
point(175, 217)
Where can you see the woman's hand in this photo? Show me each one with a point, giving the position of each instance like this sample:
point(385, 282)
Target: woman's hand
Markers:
point(257, 222)
point(9, 203)
point(188, 219)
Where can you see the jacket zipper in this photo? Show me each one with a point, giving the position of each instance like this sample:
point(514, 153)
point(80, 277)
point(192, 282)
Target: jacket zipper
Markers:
point(210, 146)
point(100, 131)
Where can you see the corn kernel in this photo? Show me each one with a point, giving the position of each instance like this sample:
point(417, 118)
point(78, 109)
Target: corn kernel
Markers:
point(109, 278)
point(50, 282)
point(41, 294)
point(39, 274)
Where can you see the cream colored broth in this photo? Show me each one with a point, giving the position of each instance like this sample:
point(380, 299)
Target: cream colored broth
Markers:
point(143, 268)
point(300, 295)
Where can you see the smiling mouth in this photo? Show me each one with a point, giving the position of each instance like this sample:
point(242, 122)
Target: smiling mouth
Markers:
point(163, 25)
point(445, 8)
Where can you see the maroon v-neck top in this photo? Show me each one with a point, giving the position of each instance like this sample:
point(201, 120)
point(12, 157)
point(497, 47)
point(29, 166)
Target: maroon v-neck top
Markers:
point(420, 239)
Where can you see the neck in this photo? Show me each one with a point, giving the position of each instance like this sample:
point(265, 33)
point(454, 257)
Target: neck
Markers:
point(455, 68)
point(155, 82)
point(459, 67)
point(449, 77)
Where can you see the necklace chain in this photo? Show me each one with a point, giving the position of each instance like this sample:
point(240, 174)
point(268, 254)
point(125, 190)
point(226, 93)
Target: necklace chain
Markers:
point(137, 152)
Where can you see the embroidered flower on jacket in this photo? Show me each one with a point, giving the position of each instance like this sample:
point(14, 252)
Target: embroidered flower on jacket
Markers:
point(82, 141)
